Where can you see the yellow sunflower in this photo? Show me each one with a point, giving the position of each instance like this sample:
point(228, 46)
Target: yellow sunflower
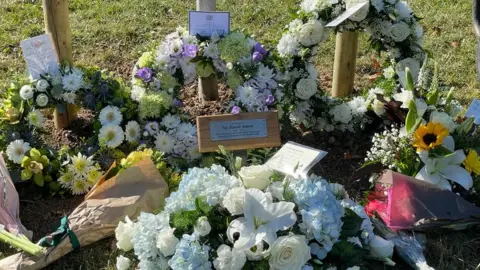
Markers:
point(429, 136)
point(472, 162)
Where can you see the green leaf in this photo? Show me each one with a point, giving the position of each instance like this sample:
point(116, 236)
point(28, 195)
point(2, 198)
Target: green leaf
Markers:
point(450, 96)
point(351, 224)
point(411, 117)
point(38, 179)
point(26, 174)
point(432, 98)
point(465, 127)
point(26, 162)
point(440, 151)
point(409, 78)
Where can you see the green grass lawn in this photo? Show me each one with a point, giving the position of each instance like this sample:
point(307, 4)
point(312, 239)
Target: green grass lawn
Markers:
point(112, 34)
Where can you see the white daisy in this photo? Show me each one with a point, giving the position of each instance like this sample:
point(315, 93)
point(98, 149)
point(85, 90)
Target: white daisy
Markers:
point(26, 92)
point(170, 121)
point(81, 164)
point(132, 131)
point(72, 82)
point(110, 115)
point(111, 135)
point(69, 97)
point(16, 151)
point(186, 130)
point(79, 187)
point(66, 179)
point(36, 118)
point(164, 142)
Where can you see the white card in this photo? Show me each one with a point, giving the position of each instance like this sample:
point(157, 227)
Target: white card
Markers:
point(295, 159)
point(40, 55)
point(474, 111)
point(347, 14)
point(205, 23)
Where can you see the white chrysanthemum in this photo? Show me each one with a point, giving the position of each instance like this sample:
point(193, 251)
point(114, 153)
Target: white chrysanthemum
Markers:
point(234, 201)
point(72, 82)
point(229, 259)
point(111, 135)
point(42, 85)
point(400, 31)
point(132, 131)
point(26, 92)
point(171, 121)
point(137, 93)
point(212, 51)
point(69, 97)
point(265, 73)
point(164, 142)
point(36, 118)
point(66, 179)
point(358, 105)
point(42, 100)
point(186, 130)
point(403, 10)
point(81, 164)
point(193, 152)
point(123, 263)
point(362, 13)
point(311, 33)
point(79, 187)
point(244, 94)
point(287, 45)
point(110, 115)
point(341, 113)
point(16, 151)
point(306, 88)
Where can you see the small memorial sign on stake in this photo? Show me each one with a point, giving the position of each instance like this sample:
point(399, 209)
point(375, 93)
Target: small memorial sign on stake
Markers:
point(295, 159)
point(474, 111)
point(205, 23)
point(238, 131)
point(40, 55)
point(347, 14)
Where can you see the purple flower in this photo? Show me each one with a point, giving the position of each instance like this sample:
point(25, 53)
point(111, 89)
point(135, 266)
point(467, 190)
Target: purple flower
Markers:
point(257, 57)
point(178, 103)
point(270, 99)
point(235, 110)
point(145, 74)
point(259, 48)
point(190, 50)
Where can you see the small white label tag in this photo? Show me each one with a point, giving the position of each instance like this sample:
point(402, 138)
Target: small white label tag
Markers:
point(205, 23)
point(474, 111)
point(40, 55)
point(347, 14)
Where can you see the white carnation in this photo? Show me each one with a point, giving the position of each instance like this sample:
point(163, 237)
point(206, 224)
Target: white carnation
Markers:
point(311, 33)
point(137, 93)
point(202, 227)
point(306, 88)
point(26, 92)
point(358, 105)
point(400, 31)
point(167, 242)
point(287, 45)
point(403, 10)
point(123, 263)
point(234, 201)
point(124, 234)
point(341, 113)
point(229, 259)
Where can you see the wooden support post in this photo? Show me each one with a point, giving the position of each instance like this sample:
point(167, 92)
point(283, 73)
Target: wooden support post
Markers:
point(55, 14)
point(345, 62)
point(207, 87)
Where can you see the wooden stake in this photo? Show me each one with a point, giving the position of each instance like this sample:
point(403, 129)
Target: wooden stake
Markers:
point(207, 87)
point(55, 14)
point(345, 62)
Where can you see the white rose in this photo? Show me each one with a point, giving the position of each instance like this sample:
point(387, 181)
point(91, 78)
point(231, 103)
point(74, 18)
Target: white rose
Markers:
point(234, 200)
point(167, 242)
point(202, 227)
point(362, 13)
point(444, 119)
point(42, 100)
point(399, 31)
point(124, 234)
point(289, 253)
point(42, 85)
point(137, 93)
point(306, 88)
point(341, 113)
point(26, 92)
point(255, 176)
point(311, 33)
point(381, 248)
point(229, 259)
point(123, 263)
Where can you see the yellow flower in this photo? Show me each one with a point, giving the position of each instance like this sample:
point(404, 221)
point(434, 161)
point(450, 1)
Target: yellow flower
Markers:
point(472, 162)
point(135, 157)
point(429, 136)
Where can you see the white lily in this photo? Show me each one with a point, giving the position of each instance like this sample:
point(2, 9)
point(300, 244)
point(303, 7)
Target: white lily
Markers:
point(262, 219)
point(438, 171)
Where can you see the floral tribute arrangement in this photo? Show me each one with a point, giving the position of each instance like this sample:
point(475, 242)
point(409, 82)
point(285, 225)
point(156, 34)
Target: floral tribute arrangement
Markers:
point(253, 219)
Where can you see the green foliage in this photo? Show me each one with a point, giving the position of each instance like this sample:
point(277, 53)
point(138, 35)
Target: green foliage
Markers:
point(351, 224)
point(345, 254)
point(412, 117)
point(408, 162)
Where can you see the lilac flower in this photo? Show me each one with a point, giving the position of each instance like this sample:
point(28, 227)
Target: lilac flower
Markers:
point(257, 57)
point(178, 103)
point(270, 100)
point(259, 48)
point(190, 50)
point(235, 110)
point(145, 74)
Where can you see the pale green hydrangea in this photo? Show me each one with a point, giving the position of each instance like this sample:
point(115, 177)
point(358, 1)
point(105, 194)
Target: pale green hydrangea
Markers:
point(204, 70)
point(146, 60)
point(167, 80)
point(154, 105)
point(233, 47)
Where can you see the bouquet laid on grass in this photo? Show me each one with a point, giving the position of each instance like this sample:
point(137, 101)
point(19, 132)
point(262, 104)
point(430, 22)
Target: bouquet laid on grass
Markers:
point(216, 220)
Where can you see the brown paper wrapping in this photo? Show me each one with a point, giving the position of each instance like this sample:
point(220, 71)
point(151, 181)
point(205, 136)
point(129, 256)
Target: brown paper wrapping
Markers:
point(140, 188)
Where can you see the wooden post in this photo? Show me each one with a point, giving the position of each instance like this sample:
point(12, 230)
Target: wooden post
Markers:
point(345, 61)
point(207, 87)
point(55, 14)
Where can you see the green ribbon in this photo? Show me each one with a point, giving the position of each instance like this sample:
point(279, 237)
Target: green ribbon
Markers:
point(61, 233)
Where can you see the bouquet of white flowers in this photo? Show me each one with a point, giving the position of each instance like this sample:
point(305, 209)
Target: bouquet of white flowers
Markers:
point(219, 221)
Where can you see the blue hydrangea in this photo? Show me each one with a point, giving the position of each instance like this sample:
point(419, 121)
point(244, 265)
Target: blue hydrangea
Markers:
point(190, 254)
point(211, 184)
point(367, 226)
point(321, 212)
